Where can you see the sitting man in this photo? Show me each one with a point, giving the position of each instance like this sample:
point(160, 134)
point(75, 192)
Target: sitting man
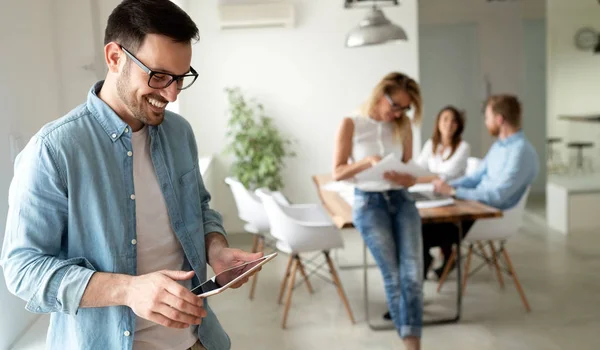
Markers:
point(509, 168)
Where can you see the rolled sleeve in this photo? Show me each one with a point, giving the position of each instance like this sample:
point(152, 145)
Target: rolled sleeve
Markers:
point(35, 229)
point(468, 194)
point(72, 287)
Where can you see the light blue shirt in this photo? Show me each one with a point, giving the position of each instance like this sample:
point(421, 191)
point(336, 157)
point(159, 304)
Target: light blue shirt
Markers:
point(72, 212)
point(508, 169)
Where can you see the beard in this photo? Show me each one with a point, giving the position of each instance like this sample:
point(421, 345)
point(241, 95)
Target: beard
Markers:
point(127, 96)
point(494, 131)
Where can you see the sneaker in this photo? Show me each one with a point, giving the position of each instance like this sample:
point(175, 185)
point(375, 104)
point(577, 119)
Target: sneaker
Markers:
point(439, 271)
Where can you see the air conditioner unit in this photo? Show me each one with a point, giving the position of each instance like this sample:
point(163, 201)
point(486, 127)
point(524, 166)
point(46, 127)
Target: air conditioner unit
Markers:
point(253, 14)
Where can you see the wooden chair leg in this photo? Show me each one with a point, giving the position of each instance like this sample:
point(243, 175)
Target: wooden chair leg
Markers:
point(285, 278)
point(467, 269)
point(488, 261)
point(255, 240)
point(498, 272)
point(447, 270)
point(516, 279)
point(290, 290)
point(259, 248)
point(338, 285)
point(306, 280)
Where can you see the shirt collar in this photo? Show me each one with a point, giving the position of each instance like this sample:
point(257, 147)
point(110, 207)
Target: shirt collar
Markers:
point(112, 124)
point(512, 138)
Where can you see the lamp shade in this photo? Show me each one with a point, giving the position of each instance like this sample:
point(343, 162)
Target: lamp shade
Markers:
point(374, 29)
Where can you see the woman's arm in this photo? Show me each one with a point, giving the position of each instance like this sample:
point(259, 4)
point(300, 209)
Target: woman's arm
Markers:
point(423, 161)
point(427, 179)
point(343, 148)
point(457, 164)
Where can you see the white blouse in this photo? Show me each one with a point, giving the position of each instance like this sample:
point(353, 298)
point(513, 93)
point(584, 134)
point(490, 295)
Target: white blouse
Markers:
point(372, 138)
point(447, 169)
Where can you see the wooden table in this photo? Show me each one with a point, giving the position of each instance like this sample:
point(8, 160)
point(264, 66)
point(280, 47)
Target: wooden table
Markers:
point(341, 214)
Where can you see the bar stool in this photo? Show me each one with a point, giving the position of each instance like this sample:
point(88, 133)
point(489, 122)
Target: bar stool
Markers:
point(553, 161)
point(579, 146)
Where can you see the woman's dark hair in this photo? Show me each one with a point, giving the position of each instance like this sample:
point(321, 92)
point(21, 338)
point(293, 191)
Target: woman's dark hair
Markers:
point(436, 138)
point(132, 20)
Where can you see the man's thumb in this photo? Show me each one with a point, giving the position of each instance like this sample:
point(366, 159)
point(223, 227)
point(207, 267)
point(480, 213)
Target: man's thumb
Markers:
point(179, 275)
point(245, 256)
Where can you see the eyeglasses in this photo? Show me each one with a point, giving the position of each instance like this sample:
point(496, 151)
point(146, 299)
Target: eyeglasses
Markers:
point(396, 107)
point(161, 80)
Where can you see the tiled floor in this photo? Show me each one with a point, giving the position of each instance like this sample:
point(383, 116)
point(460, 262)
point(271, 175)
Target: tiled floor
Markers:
point(559, 274)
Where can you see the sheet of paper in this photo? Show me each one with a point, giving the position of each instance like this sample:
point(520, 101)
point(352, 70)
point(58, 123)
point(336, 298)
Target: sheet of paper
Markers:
point(434, 203)
point(391, 163)
point(346, 191)
point(421, 188)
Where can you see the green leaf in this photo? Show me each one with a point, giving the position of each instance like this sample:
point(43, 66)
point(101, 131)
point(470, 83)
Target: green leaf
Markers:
point(258, 147)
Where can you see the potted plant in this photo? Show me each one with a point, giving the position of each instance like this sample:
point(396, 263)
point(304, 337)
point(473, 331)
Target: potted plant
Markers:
point(258, 148)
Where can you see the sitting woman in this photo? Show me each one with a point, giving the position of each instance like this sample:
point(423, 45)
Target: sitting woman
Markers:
point(445, 154)
point(383, 211)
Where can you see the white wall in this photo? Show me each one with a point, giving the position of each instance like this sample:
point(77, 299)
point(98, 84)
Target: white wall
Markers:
point(80, 52)
point(29, 98)
point(449, 61)
point(501, 40)
point(573, 75)
point(304, 76)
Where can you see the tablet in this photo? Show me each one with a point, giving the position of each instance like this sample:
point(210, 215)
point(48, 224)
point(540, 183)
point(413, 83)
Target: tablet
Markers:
point(229, 277)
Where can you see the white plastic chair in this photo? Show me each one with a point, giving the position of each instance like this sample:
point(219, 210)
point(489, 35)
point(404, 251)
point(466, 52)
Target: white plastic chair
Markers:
point(251, 211)
point(490, 230)
point(302, 229)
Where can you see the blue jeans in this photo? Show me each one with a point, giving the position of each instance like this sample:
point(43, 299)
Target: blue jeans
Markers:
point(390, 224)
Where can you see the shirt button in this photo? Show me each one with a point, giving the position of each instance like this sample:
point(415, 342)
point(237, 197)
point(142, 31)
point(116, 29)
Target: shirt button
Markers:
point(129, 153)
point(126, 130)
point(114, 136)
point(132, 196)
point(126, 333)
point(134, 241)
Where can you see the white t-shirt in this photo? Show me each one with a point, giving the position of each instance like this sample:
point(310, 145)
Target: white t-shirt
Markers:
point(157, 246)
point(447, 169)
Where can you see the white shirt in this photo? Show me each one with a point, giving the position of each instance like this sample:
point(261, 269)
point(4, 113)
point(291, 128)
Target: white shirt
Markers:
point(157, 246)
point(372, 137)
point(447, 169)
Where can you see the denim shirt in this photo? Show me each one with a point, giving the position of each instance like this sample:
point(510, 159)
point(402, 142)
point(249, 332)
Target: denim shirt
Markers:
point(508, 169)
point(72, 212)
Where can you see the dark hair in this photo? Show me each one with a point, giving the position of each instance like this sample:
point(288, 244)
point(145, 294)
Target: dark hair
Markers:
point(132, 20)
point(508, 106)
point(459, 118)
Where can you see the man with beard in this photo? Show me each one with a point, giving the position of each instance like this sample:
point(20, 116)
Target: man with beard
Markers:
point(509, 168)
point(109, 225)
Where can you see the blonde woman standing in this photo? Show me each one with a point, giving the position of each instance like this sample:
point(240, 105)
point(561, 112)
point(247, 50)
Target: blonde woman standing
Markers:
point(383, 211)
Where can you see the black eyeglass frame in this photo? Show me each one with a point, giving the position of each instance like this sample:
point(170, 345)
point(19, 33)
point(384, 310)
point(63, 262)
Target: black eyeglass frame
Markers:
point(397, 107)
point(151, 73)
